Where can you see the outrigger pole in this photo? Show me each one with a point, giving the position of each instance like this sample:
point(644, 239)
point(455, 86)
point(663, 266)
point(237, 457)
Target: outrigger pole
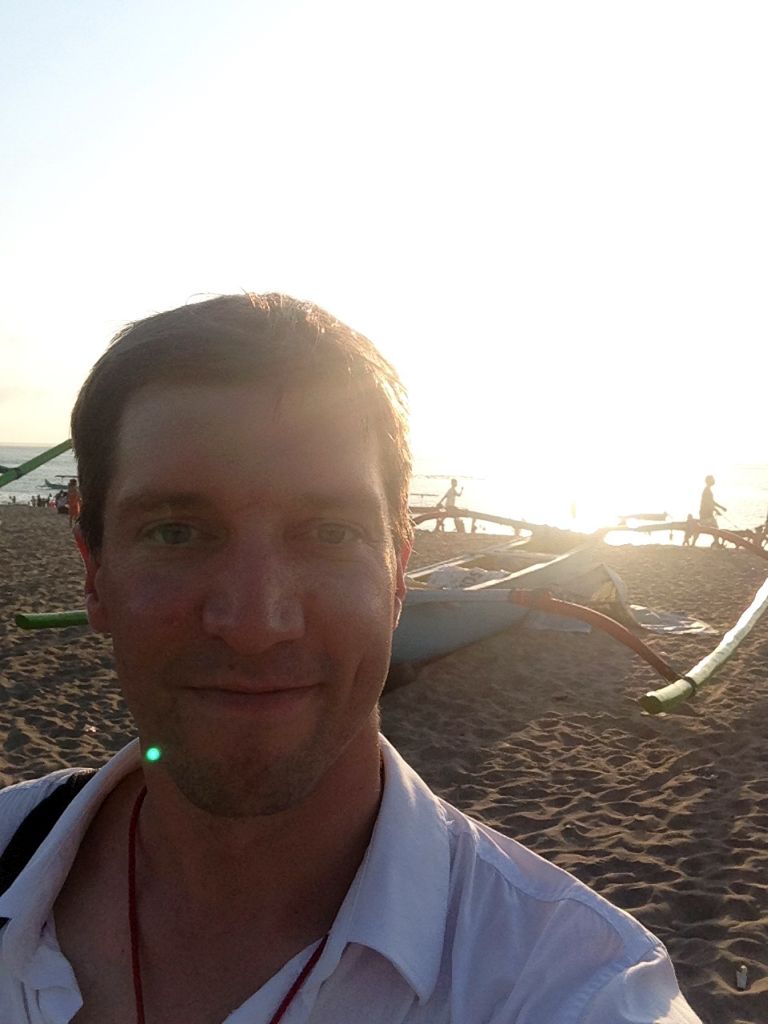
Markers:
point(26, 467)
point(668, 697)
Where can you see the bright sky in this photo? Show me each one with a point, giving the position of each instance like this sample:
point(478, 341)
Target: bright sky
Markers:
point(551, 216)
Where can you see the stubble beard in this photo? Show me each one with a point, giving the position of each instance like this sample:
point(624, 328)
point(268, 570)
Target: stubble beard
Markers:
point(241, 780)
point(245, 780)
point(240, 789)
point(239, 777)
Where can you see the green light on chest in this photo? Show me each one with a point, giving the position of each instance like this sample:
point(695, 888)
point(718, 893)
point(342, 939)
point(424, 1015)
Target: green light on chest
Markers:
point(152, 754)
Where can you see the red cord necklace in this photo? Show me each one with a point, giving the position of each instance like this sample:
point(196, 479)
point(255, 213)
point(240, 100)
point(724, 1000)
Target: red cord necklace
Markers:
point(133, 922)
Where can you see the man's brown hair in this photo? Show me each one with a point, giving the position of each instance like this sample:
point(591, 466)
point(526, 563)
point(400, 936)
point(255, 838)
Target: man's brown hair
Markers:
point(233, 339)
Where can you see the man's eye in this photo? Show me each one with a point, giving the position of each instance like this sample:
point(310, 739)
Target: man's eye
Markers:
point(171, 534)
point(335, 533)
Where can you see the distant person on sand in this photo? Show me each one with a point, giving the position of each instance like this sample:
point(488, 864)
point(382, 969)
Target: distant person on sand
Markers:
point(759, 536)
point(73, 501)
point(261, 846)
point(708, 507)
point(448, 501)
point(691, 531)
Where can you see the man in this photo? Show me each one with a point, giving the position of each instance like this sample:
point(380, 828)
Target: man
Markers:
point(73, 501)
point(707, 508)
point(449, 501)
point(260, 853)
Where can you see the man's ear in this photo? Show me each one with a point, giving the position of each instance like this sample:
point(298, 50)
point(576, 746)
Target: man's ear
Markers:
point(94, 607)
point(400, 587)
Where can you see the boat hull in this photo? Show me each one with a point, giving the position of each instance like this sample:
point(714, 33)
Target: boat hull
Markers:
point(435, 622)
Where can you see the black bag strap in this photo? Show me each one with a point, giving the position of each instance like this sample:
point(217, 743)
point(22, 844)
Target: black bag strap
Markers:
point(36, 826)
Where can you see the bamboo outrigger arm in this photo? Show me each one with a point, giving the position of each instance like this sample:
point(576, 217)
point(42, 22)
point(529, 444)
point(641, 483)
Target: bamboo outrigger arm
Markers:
point(668, 697)
point(26, 467)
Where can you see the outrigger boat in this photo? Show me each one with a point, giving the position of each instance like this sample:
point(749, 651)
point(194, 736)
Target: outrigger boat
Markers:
point(431, 621)
point(457, 602)
point(437, 620)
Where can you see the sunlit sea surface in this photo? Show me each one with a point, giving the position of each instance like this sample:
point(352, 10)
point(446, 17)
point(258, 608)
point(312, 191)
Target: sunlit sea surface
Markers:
point(567, 496)
point(579, 499)
point(57, 471)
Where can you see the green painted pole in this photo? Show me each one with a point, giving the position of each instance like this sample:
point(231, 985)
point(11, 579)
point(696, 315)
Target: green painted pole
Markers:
point(50, 620)
point(26, 467)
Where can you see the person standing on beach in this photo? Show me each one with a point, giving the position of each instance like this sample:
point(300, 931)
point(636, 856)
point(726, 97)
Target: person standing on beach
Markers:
point(691, 532)
point(708, 507)
point(73, 501)
point(260, 852)
point(448, 501)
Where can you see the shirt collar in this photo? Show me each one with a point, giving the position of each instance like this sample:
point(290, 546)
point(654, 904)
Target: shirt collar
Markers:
point(397, 904)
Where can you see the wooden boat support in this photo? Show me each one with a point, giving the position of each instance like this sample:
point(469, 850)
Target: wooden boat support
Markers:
point(547, 538)
point(657, 701)
point(737, 539)
point(543, 601)
point(423, 515)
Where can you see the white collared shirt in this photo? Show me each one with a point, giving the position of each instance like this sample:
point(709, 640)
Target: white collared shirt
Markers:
point(446, 921)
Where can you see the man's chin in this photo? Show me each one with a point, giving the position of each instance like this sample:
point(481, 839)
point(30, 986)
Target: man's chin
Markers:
point(237, 788)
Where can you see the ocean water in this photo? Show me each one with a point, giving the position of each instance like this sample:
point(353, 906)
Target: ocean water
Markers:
point(58, 471)
point(568, 497)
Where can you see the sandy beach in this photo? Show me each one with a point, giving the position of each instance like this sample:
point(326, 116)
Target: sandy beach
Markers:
point(537, 734)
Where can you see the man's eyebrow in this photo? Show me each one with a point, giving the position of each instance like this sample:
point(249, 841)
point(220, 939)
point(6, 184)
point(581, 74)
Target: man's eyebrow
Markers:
point(354, 499)
point(152, 500)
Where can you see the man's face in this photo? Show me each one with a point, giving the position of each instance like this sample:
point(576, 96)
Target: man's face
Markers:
point(250, 582)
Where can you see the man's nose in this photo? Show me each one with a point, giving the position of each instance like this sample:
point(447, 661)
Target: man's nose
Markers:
point(254, 599)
